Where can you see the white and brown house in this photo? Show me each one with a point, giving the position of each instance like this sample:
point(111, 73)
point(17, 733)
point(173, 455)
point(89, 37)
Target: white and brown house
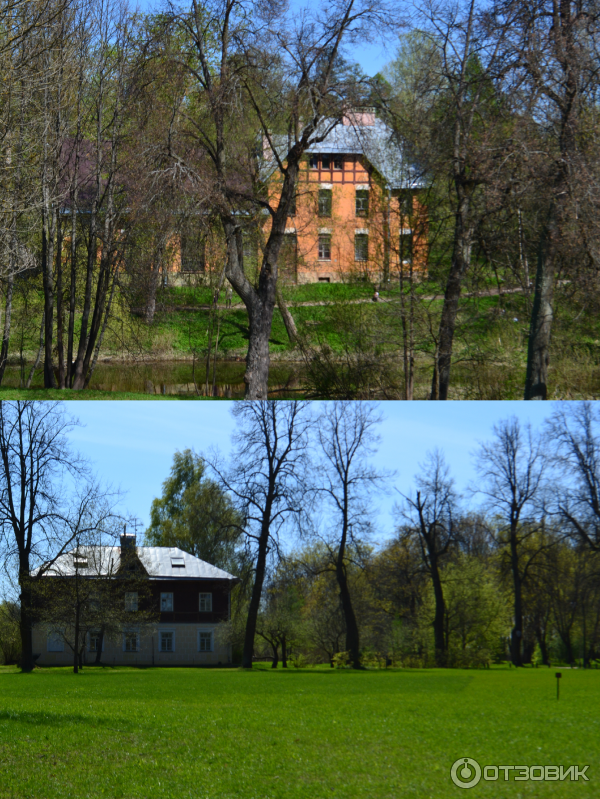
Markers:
point(190, 599)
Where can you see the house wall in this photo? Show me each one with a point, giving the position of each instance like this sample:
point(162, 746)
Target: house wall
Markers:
point(186, 621)
point(388, 215)
point(185, 653)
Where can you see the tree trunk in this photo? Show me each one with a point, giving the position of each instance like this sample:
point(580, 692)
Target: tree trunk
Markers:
point(259, 578)
point(461, 260)
point(48, 281)
point(275, 648)
point(439, 617)
point(256, 377)
point(284, 658)
point(59, 305)
point(38, 357)
point(100, 644)
point(288, 319)
point(541, 639)
point(7, 324)
point(26, 624)
point(538, 347)
point(352, 634)
point(76, 647)
point(516, 638)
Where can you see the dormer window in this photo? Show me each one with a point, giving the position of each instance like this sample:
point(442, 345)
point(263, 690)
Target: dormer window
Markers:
point(80, 562)
point(178, 563)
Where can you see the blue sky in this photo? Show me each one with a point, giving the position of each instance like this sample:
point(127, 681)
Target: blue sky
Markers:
point(372, 56)
point(131, 444)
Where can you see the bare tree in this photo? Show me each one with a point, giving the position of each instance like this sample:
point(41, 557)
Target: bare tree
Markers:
point(431, 515)
point(292, 113)
point(85, 590)
point(47, 497)
point(553, 45)
point(513, 471)
point(346, 435)
point(573, 432)
point(270, 451)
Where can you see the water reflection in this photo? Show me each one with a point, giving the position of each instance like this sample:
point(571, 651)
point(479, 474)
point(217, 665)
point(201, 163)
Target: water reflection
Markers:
point(178, 378)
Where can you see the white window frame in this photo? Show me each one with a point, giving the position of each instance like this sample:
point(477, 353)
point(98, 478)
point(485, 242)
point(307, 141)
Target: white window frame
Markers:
point(55, 642)
point(131, 601)
point(200, 600)
point(165, 594)
point(137, 641)
point(160, 635)
point(212, 644)
point(95, 634)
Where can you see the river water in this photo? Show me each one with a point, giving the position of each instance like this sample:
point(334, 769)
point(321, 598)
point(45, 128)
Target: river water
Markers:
point(177, 378)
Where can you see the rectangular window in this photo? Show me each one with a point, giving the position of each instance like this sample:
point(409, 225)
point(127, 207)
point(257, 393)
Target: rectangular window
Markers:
point(55, 643)
point(177, 563)
point(314, 162)
point(406, 248)
point(204, 642)
point(131, 642)
point(362, 202)
point(338, 162)
point(131, 601)
point(361, 247)
point(193, 248)
point(406, 204)
point(205, 605)
point(324, 247)
point(95, 639)
point(325, 162)
point(167, 642)
point(80, 561)
point(166, 602)
point(325, 202)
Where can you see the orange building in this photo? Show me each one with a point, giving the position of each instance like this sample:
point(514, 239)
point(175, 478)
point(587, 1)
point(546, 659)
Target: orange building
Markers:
point(357, 212)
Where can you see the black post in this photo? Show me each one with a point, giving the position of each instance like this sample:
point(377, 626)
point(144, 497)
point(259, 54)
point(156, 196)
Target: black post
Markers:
point(558, 676)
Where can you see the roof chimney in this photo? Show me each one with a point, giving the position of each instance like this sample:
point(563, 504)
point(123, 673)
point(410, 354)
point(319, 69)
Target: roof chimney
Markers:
point(127, 541)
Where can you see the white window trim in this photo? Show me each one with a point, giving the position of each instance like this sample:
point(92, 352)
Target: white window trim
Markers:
point(166, 651)
point(59, 644)
point(326, 185)
point(212, 641)
point(167, 593)
point(129, 601)
point(361, 231)
point(324, 231)
point(289, 230)
point(362, 187)
point(406, 231)
point(89, 642)
point(137, 641)
point(205, 593)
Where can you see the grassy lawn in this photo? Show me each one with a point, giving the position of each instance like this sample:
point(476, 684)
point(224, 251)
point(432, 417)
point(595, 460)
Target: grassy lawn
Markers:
point(300, 734)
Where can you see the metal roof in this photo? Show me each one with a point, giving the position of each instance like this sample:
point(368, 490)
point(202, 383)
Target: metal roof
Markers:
point(158, 562)
point(374, 141)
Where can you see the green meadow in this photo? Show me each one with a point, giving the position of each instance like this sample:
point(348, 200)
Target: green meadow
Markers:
point(313, 733)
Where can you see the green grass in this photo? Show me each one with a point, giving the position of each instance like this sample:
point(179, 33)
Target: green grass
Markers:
point(300, 734)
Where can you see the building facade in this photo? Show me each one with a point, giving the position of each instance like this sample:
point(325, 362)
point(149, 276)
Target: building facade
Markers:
point(191, 599)
point(358, 213)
